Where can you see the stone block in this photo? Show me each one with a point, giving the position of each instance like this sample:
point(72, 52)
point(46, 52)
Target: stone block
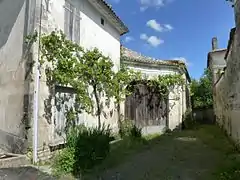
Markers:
point(10, 160)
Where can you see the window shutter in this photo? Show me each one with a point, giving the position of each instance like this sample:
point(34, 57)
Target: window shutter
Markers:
point(67, 19)
point(71, 22)
point(77, 26)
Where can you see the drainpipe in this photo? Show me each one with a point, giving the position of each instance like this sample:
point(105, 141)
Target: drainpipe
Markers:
point(183, 113)
point(36, 93)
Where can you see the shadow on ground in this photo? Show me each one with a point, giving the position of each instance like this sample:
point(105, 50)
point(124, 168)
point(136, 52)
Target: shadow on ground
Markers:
point(23, 173)
point(184, 155)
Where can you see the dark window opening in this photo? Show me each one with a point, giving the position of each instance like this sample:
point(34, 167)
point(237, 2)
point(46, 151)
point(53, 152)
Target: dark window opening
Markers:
point(102, 21)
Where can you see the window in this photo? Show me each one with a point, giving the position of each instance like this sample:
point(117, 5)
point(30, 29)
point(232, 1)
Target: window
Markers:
point(72, 22)
point(102, 21)
point(47, 5)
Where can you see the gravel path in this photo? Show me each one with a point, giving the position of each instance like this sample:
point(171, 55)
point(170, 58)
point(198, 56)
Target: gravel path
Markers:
point(174, 157)
point(23, 173)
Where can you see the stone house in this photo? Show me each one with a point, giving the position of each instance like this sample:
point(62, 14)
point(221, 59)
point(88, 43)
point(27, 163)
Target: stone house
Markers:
point(178, 99)
point(227, 86)
point(26, 99)
point(215, 60)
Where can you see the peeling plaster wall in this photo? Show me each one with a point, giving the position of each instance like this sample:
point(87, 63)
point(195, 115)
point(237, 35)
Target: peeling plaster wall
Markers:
point(16, 21)
point(227, 90)
point(92, 34)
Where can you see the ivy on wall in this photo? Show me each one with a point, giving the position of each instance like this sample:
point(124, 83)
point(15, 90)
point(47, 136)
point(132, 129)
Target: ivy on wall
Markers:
point(162, 84)
point(92, 74)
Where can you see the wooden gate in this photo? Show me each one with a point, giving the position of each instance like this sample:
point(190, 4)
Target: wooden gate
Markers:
point(147, 110)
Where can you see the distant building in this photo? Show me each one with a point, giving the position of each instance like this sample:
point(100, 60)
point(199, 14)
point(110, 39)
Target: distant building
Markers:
point(178, 99)
point(216, 59)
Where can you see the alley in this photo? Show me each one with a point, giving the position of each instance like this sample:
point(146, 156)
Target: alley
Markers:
point(187, 155)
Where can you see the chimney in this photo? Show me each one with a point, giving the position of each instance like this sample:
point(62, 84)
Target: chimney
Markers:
point(214, 43)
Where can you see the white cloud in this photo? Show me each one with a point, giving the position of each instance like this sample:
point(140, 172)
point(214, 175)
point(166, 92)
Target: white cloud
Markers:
point(168, 27)
point(183, 59)
point(152, 40)
point(151, 3)
point(128, 39)
point(143, 37)
point(154, 25)
point(143, 8)
point(158, 27)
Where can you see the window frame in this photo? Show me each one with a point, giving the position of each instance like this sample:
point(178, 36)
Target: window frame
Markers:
point(74, 19)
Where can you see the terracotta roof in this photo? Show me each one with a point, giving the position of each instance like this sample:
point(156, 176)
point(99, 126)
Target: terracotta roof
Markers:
point(108, 8)
point(137, 57)
point(128, 55)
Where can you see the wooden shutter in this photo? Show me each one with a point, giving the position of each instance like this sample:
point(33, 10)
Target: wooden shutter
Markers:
point(68, 20)
point(77, 26)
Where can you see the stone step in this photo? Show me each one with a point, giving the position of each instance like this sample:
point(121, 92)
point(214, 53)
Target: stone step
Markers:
point(9, 160)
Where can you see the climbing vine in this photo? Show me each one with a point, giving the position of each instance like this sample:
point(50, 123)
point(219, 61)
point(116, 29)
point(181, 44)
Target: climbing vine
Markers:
point(162, 84)
point(91, 74)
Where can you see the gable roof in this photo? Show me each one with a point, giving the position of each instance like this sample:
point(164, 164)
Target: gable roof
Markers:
point(128, 56)
point(107, 10)
point(214, 52)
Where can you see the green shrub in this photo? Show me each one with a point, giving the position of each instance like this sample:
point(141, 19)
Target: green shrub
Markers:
point(188, 121)
point(128, 129)
point(72, 135)
point(85, 148)
point(136, 132)
point(92, 146)
point(168, 131)
point(125, 128)
point(63, 162)
point(230, 170)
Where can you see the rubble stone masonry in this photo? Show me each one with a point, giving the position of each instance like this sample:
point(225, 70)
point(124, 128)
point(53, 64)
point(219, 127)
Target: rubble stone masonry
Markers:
point(227, 87)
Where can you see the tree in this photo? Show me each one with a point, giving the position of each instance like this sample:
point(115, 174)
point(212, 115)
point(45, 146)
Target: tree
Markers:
point(89, 72)
point(201, 91)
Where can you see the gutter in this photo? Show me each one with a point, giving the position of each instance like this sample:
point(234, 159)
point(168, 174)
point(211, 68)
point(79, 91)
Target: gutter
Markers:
point(115, 20)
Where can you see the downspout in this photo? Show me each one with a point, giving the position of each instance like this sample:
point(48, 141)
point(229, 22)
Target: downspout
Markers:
point(181, 118)
point(182, 106)
point(36, 92)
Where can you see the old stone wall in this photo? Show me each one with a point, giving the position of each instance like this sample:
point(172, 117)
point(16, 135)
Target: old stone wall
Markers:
point(16, 21)
point(51, 117)
point(227, 88)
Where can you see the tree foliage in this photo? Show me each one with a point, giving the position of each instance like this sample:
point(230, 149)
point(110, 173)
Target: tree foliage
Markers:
point(201, 91)
point(160, 85)
point(89, 72)
point(165, 83)
point(92, 74)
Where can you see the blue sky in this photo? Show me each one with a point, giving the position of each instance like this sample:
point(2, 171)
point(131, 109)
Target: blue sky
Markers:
point(168, 29)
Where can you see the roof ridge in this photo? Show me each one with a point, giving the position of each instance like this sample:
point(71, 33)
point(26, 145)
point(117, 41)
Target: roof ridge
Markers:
point(116, 17)
point(136, 55)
